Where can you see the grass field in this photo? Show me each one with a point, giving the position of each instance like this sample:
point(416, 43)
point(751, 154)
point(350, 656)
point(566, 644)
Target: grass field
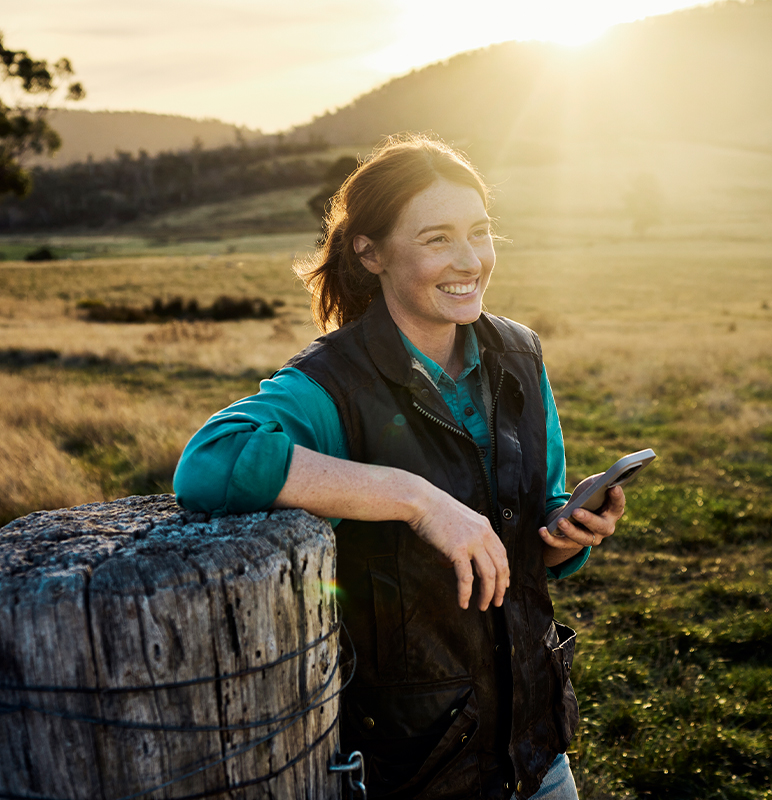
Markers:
point(656, 341)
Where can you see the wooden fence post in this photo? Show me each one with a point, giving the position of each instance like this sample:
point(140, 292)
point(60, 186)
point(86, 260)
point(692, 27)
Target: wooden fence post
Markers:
point(146, 651)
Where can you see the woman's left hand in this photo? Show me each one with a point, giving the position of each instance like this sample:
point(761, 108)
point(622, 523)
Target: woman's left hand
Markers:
point(592, 529)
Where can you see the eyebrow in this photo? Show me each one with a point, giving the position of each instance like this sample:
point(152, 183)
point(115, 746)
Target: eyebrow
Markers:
point(449, 227)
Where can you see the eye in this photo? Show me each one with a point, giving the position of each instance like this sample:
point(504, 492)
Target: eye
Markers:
point(481, 233)
point(437, 239)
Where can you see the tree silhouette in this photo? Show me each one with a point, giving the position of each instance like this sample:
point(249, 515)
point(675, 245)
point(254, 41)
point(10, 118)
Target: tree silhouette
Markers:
point(333, 179)
point(28, 85)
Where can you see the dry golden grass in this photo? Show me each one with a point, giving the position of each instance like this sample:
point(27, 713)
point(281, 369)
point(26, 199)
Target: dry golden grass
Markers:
point(88, 426)
point(677, 321)
point(38, 309)
point(659, 342)
point(637, 313)
point(37, 474)
point(66, 443)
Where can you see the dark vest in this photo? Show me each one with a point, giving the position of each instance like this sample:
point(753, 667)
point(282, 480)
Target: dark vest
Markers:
point(446, 703)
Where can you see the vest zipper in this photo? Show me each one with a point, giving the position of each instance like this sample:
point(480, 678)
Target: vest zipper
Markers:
point(464, 435)
point(490, 421)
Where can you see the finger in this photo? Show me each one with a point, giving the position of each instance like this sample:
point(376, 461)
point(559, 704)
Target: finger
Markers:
point(502, 578)
point(465, 579)
point(498, 555)
point(486, 572)
point(584, 529)
point(573, 529)
point(602, 525)
point(615, 502)
point(594, 523)
point(574, 538)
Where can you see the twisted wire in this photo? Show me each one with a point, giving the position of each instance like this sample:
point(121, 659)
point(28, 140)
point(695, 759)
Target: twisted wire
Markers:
point(290, 719)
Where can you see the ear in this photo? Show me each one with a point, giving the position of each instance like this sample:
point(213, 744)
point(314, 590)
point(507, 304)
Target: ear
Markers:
point(365, 249)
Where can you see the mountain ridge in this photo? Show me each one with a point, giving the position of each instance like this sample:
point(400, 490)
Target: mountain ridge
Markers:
point(100, 134)
point(700, 74)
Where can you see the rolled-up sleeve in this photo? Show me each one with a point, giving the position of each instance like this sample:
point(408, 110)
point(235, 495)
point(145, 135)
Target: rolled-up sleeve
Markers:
point(557, 495)
point(239, 460)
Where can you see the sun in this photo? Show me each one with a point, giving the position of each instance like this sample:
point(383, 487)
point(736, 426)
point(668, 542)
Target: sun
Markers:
point(424, 31)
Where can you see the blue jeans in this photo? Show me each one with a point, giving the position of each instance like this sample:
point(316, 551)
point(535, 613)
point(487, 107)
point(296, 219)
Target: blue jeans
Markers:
point(558, 783)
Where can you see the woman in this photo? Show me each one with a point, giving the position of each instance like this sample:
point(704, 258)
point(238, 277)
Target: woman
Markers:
point(427, 430)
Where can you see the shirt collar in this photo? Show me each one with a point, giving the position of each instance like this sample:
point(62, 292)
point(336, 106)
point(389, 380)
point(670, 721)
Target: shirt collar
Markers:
point(433, 370)
point(384, 345)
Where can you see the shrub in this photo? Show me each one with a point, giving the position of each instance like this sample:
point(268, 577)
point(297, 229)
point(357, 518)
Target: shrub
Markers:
point(40, 254)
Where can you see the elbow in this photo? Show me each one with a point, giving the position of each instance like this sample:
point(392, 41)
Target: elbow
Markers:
point(196, 487)
point(233, 474)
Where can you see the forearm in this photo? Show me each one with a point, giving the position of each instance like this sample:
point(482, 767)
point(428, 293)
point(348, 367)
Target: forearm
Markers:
point(336, 488)
point(554, 556)
point(332, 487)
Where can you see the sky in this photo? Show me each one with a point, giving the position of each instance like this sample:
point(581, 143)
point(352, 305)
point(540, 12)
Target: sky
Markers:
point(268, 64)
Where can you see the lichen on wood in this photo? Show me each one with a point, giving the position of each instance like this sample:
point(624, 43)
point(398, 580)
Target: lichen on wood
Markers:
point(161, 620)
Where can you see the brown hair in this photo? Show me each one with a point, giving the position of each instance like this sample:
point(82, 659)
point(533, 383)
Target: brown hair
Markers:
point(368, 204)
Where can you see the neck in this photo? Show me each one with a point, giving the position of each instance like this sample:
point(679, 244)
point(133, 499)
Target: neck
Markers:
point(455, 365)
point(443, 343)
point(445, 348)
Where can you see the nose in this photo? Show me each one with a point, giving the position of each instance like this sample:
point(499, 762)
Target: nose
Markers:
point(467, 258)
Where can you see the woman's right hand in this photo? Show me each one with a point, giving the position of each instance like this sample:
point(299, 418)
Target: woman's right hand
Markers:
point(334, 488)
point(468, 541)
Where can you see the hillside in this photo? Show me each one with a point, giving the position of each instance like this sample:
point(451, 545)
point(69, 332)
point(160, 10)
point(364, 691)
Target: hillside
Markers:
point(99, 134)
point(701, 74)
point(663, 121)
point(125, 189)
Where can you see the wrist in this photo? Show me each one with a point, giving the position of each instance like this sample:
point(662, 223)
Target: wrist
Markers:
point(414, 495)
point(557, 555)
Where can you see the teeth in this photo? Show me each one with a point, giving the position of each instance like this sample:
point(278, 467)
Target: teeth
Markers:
point(458, 288)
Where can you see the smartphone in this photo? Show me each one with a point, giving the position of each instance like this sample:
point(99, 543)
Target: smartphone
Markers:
point(591, 493)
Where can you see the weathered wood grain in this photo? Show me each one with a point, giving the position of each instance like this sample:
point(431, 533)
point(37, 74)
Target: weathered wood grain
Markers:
point(139, 593)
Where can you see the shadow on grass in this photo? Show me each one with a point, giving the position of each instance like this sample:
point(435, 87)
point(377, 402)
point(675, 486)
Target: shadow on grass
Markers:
point(117, 370)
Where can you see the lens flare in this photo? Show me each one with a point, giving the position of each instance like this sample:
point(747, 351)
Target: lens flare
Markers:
point(428, 30)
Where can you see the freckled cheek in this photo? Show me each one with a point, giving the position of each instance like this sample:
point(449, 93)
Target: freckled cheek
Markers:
point(432, 271)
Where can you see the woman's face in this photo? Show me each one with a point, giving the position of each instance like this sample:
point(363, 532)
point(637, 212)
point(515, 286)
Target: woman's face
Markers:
point(435, 265)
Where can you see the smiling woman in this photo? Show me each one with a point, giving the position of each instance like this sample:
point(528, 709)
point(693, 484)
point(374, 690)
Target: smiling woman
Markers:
point(369, 217)
point(426, 431)
point(434, 268)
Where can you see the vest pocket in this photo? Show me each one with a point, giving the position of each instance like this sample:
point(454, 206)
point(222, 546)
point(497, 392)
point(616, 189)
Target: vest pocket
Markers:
point(389, 630)
point(562, 659)
point(420, 744)
point(451, 769)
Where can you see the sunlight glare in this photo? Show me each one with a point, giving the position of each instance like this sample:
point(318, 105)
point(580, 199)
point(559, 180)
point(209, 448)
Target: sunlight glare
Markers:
point(431, 30)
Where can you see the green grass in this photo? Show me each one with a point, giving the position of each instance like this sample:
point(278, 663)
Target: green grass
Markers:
point(660, 341)
point(673, 672)
point(673, 612)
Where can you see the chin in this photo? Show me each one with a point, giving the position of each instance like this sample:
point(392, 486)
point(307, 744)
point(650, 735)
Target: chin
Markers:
point(467, 316)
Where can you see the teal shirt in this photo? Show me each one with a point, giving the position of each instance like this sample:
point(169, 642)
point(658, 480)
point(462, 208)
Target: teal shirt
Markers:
point(238, 462)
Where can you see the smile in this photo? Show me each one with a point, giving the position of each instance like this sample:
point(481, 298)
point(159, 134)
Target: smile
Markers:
point(458, 288)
